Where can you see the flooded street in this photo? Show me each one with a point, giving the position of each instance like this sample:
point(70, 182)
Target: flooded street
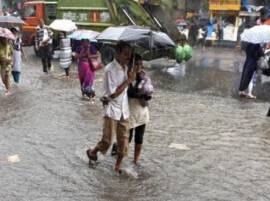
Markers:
point(203, 142)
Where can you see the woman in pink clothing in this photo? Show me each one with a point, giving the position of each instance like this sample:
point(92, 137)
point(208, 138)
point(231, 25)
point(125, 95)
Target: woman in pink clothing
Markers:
point(86, 68)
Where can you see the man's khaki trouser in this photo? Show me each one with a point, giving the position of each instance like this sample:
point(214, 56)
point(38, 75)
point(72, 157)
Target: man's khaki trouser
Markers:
point(110, 128)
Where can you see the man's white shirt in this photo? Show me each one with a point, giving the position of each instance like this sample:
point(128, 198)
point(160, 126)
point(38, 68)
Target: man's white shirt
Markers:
point(115, 75)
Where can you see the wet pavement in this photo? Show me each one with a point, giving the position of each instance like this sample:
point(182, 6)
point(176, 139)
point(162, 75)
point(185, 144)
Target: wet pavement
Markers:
point(203, 142)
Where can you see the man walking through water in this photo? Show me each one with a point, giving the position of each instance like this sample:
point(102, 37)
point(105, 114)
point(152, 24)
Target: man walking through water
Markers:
point(116, 108)
point(253, 53)
point(44, 45)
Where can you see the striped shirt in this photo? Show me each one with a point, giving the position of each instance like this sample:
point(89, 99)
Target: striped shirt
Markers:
point(42, 34)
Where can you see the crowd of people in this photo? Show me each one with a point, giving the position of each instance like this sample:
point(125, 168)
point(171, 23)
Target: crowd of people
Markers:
point(127, 88)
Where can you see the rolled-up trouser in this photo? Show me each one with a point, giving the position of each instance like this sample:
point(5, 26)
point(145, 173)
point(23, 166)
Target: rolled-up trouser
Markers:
point(111, 127)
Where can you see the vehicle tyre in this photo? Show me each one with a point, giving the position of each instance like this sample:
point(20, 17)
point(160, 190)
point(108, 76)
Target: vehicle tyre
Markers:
point(107, 54)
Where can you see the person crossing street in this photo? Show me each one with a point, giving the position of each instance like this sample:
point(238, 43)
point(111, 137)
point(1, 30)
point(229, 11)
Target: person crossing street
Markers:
point(116, 109)
point(43, 44)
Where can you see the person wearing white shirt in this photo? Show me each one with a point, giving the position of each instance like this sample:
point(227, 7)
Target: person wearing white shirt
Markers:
point(201, 37)
point(43, 43)
point(116, 110)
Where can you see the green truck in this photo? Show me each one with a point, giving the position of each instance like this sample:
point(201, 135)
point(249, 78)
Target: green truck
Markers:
point(98, 15)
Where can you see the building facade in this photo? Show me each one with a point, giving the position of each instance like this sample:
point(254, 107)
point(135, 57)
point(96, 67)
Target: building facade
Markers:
point(224, 15)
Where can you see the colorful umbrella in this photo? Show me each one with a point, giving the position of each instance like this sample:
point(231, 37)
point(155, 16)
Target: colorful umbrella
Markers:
point(6, 33)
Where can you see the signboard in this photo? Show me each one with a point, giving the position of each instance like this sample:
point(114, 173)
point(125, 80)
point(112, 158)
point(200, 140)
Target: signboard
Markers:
point(87, 17)
point(225, 5)
point(76, 17)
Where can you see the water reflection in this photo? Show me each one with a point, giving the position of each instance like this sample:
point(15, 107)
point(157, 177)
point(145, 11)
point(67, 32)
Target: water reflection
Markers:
point(219, 143)
point(209, 76)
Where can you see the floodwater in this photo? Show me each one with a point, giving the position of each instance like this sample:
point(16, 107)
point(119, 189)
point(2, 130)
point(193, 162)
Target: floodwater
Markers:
point(203, 143)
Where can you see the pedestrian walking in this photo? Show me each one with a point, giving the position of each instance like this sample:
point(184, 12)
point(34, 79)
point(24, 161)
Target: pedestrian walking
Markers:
point(17, 55)
point(86, 69)
point(44, 45)
point(202, 33)
point(193, 34)
point(253, 53)
point(5, 63)
point(139, 93)
point(116, 109)
point(220, 30)
point(65, 57)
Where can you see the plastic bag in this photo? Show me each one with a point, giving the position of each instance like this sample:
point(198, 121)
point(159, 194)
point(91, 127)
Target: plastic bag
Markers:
point(179, 54)
point(188, 52)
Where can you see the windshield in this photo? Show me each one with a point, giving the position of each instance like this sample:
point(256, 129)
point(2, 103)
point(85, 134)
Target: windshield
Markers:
point(30, 11)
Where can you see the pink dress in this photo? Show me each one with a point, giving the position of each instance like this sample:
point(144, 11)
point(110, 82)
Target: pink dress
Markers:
point(86, 73)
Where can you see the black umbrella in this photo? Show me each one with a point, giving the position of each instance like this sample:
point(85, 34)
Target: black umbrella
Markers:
point(123, 33)
point(137, 36)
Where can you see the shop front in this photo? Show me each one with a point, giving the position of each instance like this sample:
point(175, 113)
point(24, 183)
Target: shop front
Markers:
point(224, 20)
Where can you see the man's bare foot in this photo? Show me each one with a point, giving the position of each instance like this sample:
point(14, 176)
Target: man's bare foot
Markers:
point(7, 93)
point(250, 96)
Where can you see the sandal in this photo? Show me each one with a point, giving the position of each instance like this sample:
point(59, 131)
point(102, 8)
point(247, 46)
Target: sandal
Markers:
point(90, 157)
